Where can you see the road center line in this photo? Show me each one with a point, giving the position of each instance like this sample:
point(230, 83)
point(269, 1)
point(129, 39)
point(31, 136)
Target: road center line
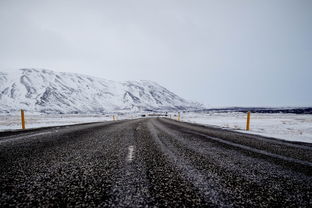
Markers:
point(130, 153)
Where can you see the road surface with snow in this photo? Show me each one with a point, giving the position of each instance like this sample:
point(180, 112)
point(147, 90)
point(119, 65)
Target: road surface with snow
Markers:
point(151, 162)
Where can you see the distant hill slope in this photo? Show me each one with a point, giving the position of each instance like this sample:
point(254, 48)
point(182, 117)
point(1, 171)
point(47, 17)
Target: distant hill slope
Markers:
point(46, 91)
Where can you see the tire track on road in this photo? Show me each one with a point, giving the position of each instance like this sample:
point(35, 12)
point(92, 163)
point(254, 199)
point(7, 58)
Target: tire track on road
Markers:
point(151, 163)
point(237, 175)
point(274, 146)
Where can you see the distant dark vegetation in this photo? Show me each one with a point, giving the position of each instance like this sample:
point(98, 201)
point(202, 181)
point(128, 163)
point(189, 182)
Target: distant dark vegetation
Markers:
point(301, 110)
point(155, 114)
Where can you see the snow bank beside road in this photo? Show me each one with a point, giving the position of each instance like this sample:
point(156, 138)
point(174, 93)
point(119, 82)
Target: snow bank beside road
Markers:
point(9, 122)
point(291, 127)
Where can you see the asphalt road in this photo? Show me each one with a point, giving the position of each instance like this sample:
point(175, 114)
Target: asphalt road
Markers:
point(151, 163)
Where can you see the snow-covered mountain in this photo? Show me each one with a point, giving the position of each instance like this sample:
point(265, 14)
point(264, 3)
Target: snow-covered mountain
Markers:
point(45, 91)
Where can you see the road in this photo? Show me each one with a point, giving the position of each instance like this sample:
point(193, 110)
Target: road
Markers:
point(151, 162)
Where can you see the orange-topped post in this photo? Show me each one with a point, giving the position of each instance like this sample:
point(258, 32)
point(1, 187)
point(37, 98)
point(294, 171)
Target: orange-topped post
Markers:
point(23, 119)
point(248, 121)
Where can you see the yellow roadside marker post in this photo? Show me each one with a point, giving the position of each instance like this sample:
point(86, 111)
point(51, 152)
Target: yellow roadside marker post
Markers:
point(248, 121)
point(23, 119)
point(179, 117)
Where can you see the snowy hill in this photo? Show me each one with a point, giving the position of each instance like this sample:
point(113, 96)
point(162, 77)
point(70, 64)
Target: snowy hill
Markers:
point(45, 91)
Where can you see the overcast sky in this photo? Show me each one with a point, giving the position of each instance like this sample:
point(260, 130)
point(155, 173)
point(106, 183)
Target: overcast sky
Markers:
point(220, 53)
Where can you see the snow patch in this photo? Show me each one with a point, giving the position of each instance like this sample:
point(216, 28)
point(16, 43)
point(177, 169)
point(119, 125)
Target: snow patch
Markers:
point(291, 127)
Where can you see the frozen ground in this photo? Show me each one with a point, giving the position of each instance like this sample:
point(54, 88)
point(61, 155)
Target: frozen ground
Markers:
point(8, 122)
point(290, 127)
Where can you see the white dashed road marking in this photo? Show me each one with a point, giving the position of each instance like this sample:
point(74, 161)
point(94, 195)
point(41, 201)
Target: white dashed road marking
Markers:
point(130, 153)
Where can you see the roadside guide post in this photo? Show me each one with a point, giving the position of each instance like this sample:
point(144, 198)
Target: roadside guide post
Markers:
point(23, 119)
point(248, 121)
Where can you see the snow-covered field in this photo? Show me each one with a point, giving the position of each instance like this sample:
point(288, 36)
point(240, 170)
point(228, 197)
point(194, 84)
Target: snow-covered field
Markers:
point(9, 122)
point(292, 127)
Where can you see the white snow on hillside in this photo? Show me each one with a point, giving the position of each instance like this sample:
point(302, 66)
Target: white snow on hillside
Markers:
point(45, 91)
point(291, 127)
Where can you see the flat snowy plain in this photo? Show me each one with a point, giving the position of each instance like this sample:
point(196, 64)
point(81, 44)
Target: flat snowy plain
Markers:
point(291, 127)
point(11, 122)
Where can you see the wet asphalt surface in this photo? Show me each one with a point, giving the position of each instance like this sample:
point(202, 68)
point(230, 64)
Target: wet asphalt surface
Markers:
point(151, 163)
